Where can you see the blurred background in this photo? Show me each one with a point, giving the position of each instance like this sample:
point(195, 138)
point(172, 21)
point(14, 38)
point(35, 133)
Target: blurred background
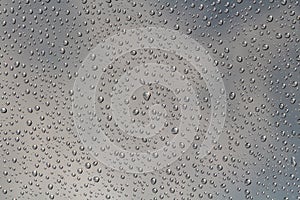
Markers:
point(255, 46)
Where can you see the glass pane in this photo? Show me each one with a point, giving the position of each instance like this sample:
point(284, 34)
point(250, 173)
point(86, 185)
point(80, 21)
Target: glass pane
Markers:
point(121, 99)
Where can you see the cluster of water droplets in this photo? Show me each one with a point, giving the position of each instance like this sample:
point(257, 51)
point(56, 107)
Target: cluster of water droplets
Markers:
point(149, 99)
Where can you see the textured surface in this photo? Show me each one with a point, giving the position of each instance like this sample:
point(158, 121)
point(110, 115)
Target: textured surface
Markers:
point(64, 109)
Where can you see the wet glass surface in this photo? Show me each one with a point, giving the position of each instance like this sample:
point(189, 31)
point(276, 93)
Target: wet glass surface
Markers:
point(149, 99)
